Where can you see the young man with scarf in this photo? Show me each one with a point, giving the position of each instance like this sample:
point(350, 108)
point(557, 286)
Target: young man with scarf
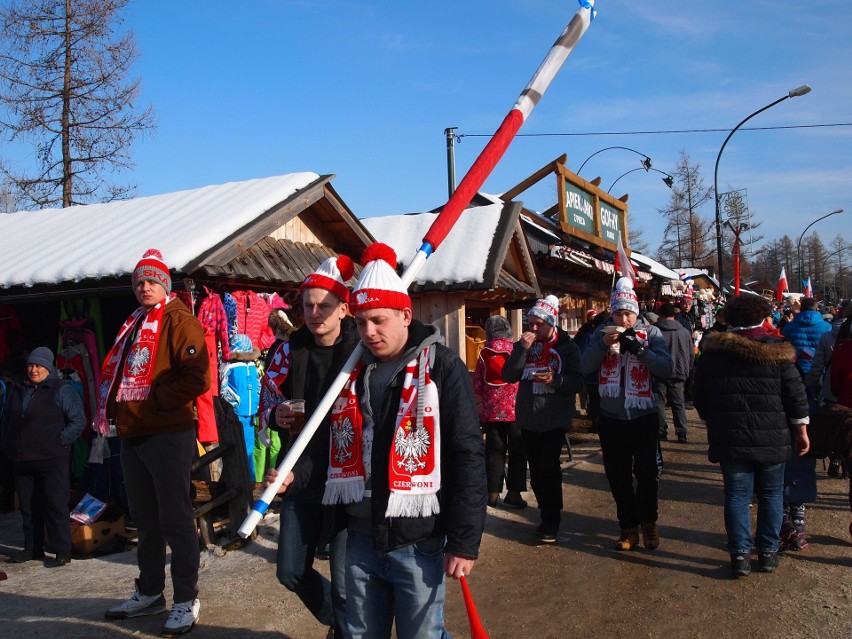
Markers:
point(628, 354)
point(546, 363)
point(151, 377)
point(303, 366)
point(407, 460)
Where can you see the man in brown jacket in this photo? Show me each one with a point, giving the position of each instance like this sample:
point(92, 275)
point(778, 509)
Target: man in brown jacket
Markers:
point(151, 377)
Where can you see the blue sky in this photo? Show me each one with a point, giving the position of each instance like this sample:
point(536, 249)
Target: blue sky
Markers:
point(365, 89)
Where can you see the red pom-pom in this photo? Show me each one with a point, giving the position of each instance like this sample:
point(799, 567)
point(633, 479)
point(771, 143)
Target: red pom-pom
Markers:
point(378, 251)
point(152, 252)
point(345, 266)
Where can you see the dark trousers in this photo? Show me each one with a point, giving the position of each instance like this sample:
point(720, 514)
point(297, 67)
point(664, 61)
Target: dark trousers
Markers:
point(673, 390)
point(594, 410)
point(156, 478)
point(7, 485)
point(543, 453)
point(44, 487)
point(503, 439)
point(630, 450)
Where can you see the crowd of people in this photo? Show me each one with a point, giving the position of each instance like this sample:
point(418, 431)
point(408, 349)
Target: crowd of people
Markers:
point(395, 482)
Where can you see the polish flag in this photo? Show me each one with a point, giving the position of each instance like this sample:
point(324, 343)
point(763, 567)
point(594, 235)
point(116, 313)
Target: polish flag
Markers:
point(622, 262)
point(809, 290)
point(782, 285)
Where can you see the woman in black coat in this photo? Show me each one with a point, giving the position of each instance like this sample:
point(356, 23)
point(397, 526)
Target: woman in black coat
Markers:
point(752, 397)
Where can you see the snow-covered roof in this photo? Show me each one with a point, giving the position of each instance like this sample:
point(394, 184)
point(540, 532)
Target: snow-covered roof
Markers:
point(461, 257)
point(652, 265)
point(103, 240)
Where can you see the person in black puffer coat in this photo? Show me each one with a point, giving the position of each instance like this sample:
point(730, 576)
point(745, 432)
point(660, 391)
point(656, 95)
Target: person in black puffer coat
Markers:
point(751, 396)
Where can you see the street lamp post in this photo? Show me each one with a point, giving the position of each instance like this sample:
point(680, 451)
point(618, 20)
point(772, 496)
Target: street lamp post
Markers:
point(646, 162)
point(668, 180)
point(799, 91)
point(799, 243)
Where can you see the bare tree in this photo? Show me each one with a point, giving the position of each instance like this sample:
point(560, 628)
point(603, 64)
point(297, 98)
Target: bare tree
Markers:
point(687, 235)
point(64, 88)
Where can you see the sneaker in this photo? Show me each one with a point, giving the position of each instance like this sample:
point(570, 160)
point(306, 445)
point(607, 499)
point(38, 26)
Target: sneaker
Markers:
point(681, 439)
point(547, 533)
point(514, 500)
point(650, 536)
point(768, 561)
point(740, 565)
point(182, 618)
point(60, 561)
point(137, 606)
point(628, 540)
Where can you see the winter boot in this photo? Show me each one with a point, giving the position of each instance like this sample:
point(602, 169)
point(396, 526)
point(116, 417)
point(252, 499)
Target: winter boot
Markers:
point(628, 540)
point(650, 536)
point(740, 565)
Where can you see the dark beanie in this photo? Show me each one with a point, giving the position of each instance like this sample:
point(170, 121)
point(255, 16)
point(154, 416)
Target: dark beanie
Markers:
point(497, 326)
point(42, 356)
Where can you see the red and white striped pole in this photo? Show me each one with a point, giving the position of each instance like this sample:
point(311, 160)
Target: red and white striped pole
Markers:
point(452, 210)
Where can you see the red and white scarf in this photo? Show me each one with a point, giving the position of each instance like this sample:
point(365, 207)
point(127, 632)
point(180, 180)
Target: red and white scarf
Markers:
point(134, 384)
point(541, 355)
point(414, 465)
point(270, 388)
point(638, 392)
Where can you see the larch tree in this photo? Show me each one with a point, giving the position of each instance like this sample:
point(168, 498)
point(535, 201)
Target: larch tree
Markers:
point(66, 92)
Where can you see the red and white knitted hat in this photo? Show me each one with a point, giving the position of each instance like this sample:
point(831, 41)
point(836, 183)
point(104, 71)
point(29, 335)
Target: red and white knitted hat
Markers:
point(152, 268)
point(546, 309)
point(379, 286)
point(332, 276)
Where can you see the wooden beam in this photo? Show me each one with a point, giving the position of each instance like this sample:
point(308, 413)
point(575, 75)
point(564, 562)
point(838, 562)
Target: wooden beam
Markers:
point(539, 175)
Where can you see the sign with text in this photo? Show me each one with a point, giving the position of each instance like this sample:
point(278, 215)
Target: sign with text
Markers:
point(610, 222)
point(580, 208)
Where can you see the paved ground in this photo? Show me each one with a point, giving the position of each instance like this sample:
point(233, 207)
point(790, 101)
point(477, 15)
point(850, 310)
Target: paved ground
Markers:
point(578, 587)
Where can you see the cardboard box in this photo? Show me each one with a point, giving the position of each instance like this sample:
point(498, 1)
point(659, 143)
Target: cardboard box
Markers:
point(86, 539)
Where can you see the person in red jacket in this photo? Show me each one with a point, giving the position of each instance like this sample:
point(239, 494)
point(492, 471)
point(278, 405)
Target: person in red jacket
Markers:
point(841, 379)
point(496, 400)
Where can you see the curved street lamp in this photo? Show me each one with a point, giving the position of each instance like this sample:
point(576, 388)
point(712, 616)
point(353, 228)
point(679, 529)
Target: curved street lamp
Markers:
point(795, 93)
point(668, 180)
point(799, 243)
point(646, 162)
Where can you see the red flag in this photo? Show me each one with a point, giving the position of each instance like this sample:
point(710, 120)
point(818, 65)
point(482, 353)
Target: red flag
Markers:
point(622, 262)
point(782, 285)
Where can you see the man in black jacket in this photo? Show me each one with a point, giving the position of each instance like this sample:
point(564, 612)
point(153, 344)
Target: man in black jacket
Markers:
point(43, 417)
point(408, 461)
point(304, 366)
point(546, 362)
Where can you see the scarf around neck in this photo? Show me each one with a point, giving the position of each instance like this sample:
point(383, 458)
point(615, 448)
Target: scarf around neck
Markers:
point(541, 355)
point(637, 377)
point(134, 383)
point(414, 463)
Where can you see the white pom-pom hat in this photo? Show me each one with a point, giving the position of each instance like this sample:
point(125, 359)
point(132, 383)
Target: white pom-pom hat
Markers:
point(624, 297)
point(546, 309)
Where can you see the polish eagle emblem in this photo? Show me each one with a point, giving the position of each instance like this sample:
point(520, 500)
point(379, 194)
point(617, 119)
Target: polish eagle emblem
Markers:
point(342, 436)
point(138, 360)
point(411, 445)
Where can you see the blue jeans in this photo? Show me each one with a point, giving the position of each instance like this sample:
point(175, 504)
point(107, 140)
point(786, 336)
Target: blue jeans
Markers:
point(405, 585)
point(300, 528)
point(742, 480)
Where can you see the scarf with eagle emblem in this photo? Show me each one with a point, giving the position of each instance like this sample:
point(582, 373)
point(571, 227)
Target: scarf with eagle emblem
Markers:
point(138, 372)
point(414, 466)
point(637, 377)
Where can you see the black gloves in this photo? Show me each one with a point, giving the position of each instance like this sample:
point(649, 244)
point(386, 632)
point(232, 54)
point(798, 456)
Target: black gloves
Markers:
point(629, 342)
